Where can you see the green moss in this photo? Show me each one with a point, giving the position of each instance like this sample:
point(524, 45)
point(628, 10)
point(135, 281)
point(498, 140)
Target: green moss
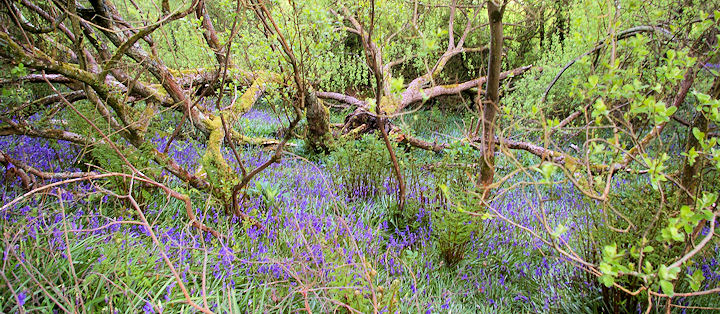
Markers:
point(215, 164)
point(318, 117)
point(160, 89)
point(242, 139)
point(248, 98)
point(389, 104)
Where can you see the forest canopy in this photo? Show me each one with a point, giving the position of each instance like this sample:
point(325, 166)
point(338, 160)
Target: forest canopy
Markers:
point(360, 156)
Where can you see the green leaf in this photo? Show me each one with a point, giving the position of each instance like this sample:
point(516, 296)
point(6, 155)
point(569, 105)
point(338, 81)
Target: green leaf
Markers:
point(707, 214)
point(547, 170)
point(708, 199)
point(686, 211)
point(593, 80)
point(606, 268)
point(696, 280)
point(668, 273)
point(648, 268)
point(691, 155)
point(444, 189)
point(396, 85)
point(600, 106)
point(670, 110)
point(699, 135)
point(610, 252)
point(607, 280)
point(671, 54)
point(559, 230)
point(702, 98)
point(667, 287)
point(676, 235)
point(688, 229)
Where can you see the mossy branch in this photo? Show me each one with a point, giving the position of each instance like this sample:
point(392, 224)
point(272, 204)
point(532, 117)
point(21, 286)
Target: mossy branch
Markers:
point(217, 168)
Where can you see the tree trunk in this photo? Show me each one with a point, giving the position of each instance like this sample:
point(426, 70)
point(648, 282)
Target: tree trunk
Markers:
point(691, 174)
point(318, 119)
point(490, 105)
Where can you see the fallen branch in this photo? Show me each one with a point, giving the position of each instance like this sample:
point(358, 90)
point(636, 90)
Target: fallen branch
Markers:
point(44, 102)
point(341, 98)
point(47, 133)
point(452, 89)
point(418, 143)
point(38, 78)
point(6, 159)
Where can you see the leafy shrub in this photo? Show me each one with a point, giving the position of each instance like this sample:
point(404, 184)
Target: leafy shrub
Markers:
point(413, 217)
point(453, 231)
point(455, 224)
point(631, 203)
point(356, 288)
point(363, 167)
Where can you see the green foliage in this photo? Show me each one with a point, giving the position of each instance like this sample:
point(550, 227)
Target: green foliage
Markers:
point(611, 264)
point(412, 218)
point(647, 225)
point(359, 287)
point(631, 235)
point(710, 109)
point(653, 239)
point(15, 94)
point(455, 224)
point(363, 166)
point(685, 223)
point(454, 230)
point(633, 208)
point(266, 191)
point(109, 159)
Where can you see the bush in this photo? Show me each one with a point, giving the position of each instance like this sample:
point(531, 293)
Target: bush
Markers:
point(362, 168)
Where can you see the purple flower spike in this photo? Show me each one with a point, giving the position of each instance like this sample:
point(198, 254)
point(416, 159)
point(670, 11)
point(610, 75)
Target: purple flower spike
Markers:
point(148, 308)
point(22, 297)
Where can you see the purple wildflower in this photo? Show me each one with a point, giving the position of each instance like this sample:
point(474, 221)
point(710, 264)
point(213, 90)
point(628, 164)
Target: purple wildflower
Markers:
point(148, 308)
point(22, 297)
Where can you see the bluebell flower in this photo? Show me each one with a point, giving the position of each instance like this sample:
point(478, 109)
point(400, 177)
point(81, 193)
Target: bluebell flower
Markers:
point(521, 297)
point(447, 304)
point(148, 308)
point(22, 297)
point(226, 255)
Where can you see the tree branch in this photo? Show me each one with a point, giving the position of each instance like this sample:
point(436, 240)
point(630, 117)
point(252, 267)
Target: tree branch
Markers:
point(341, 98)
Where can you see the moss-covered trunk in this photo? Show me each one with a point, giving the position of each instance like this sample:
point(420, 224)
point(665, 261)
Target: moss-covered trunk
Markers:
point(318, 135)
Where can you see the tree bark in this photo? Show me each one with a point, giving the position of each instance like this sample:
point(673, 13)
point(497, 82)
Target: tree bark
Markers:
point(691, 173)
point(318, 118)
point(492, 96)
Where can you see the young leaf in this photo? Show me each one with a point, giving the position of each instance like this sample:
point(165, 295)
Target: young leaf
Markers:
point(559, 230)
point(699, 135)
point(696, 280)
point(667, 287)
point(607, 280)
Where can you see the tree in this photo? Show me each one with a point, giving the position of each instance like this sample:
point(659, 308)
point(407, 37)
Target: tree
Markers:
point(85, 64)
point(492, 94)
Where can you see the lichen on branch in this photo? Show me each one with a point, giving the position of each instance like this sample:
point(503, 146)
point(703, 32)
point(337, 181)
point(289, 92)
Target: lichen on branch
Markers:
point(215, 166)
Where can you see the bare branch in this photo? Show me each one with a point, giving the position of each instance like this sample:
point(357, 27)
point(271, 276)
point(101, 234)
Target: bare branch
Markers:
point(341, 98)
